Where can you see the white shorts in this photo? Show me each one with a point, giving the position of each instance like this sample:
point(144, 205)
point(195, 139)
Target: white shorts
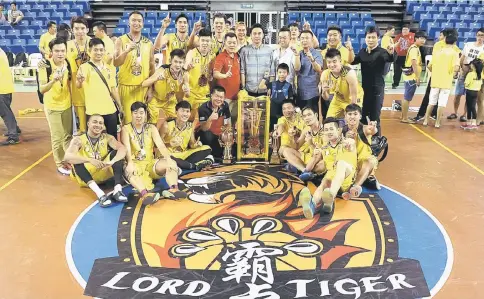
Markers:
point(440, 96)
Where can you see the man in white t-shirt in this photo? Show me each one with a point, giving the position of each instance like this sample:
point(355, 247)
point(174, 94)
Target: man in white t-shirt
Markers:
point(471, 51)
point(284, 54)
point(14, 15)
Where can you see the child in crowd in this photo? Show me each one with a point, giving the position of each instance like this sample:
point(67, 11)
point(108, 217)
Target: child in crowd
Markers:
point(472, 84)
point(279, 91)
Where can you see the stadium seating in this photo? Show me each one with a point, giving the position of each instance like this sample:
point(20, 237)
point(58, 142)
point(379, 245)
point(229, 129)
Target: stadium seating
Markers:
point(467, 16)
point(25, 36)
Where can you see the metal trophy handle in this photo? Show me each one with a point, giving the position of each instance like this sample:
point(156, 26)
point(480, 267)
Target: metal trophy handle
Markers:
point(276, 144)
point(227, 140)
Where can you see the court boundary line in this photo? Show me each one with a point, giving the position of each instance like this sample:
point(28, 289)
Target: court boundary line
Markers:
point(438, 286)
point(4, 186)
point(462, 159)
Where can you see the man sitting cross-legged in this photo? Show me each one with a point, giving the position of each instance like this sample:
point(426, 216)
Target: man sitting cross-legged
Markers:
point(140, 139)
point(339, 157)
point(93, 163)
point(305, 157)
point(367, 162)
point(290, 121)
point(179, 138)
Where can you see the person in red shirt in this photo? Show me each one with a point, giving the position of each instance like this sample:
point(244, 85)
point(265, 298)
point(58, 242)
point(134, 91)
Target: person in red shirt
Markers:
point(226, 71)
point(403, 41)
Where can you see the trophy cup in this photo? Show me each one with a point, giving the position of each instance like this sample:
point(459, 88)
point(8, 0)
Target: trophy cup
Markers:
point(275, 158)
point(226, 141)
point(255, 146)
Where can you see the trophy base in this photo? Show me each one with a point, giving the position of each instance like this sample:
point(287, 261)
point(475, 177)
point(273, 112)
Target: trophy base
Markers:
point(227, 161)
point(275, 160)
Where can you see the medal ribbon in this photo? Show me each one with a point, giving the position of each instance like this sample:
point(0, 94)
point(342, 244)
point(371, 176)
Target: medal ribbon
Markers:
point(95, 151)
point(141, 140)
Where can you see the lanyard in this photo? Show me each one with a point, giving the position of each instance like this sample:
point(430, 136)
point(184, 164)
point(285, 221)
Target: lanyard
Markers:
point(79, 50)
point(141, 140)
point(94, 147)
point(138, 47)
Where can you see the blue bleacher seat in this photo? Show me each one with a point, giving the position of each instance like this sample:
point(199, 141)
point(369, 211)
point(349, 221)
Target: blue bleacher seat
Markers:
point(146, 31)
point(369, 23)
point(475, 2)
point(41, 31)
point(366, 16)
point(475, 26)
point(32, 41)
point(118, 31)
point(330, 16)
point(425, 19)
point(318, 16)
point(170, 30)
point(354, 16)
point(4, 42)
point(356, 24)
point(323, 40)
point(26, 34)
point(360, 33)
point(319, 24)
point(344, 24)
point(342, 15)
point(432, 28)
point(12, 34)
point(457, 9)
point(163, 14)
point(332, 23)
point(434, 9)
point(30, 49)
point(58, 15)
point(479, 18)
point(37, 23)
point(38, 6)
point(155, 31)
point(349, 32)
point(19, 42)
point(149, 23)
point(152, 15)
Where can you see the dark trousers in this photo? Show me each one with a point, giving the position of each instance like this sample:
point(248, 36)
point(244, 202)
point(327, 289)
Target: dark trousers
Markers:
point(189, 162)
point(397, 70)
point(372, 104)
point(313, 102)
point(212, 140)
point(7, 115)
point(82, 172)
point(111, 123)
point(425, 102)
point(471, 101)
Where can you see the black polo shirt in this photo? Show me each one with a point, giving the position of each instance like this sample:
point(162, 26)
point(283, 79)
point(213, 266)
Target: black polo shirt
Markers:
point(372, 66)
point(206, 109)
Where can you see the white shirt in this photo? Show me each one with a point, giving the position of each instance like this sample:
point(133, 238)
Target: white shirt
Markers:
point(471, 51)
point(286, 57)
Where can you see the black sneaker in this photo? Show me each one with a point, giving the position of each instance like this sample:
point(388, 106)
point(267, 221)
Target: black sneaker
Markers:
point(462, 119)
point(119, 197)
point(203, 164)
point(18, 132)
point(417, 118)
point(373, 183)
point(10, 141)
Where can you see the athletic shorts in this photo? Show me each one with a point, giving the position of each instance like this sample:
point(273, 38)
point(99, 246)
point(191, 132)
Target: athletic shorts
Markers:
point(98, 175)
point(410, 88)
point(128, 95)
point(337, 108)
point(460, 89)
point(187, 153)
point(373, 161)
point(145, 170)
point(351, 159)
point(154, 111)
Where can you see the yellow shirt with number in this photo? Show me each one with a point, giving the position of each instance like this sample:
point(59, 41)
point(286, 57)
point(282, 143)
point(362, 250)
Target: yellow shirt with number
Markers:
point(286, 123)
point(386, 41)
point(76, 57)
point(6, 87)
point(199, 76)
point(167, 91)
point(98, 97)
point(133, 73)
point(413, 53)
point(340, 89)
point(145, 136)
point(174, 132)
point(58, 98)
point(443, 64)
point(88, 150)
point(44, 43)
point(175, 43)
point(345, 53)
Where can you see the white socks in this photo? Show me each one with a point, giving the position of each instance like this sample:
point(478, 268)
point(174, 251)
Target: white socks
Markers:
point(95, 188)
point(118, 188)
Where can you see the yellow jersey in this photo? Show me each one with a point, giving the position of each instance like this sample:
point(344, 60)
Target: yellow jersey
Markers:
point(141, 142)
point(7, 86)
point(136, 67)
point(58, 98)
point(217, 46)
point(44, 43)
point(174, 42)
point(318, 140)
point(413, 53)
point(298, 46)
point(363, 150)
point(340, 88)
point(386, 41)
point(200, 76)
point(97, 96)
point(169, 90)
point(94, 149)
point(443, 64)
point(471, 82)
point(286, 123)
point(173, 132)
point(109, 50)
point(77, 55)
point(481, 57)
point(333, 154)
point(438, 46)
point(345, 53)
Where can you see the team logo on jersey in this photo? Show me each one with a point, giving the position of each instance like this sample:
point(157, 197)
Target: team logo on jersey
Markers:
point(241, 234)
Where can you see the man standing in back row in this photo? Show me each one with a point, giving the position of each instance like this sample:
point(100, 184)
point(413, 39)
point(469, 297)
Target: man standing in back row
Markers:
point(404, 41)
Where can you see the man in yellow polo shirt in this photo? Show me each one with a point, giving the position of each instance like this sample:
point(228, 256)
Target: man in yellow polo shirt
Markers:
point(334, 42)
point(46, 38)
point(100, 31)
point(54, 85)
point(98, 81)
point(6, 91)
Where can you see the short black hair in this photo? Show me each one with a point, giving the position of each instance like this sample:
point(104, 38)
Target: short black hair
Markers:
point(218, 88)
point(420, 34)
point(337, 28)
point(283, 66)
point(50, 24)
point(96, 41)
point(310, 107)
point(390, 27)
point(372, 29)
point(288, 101)
point(353, 107)
point(255, 26)
point(205, 32)
point(183, 105)
point(449, 31)
point(406, 26)
point(450, 39)
point(293, 25)
point(57, 41)
point(229, 34)
point(220, 15)
point(332, 53)
point(285, 29)
point(480, 30)
point(330, 120)
point(178, 53)
point(180, 16)
point(63, 26)
point(136, 12)
point(478, 64)
point(100, 25)
point(137, 105)
point(306, 31)
point(79, 20)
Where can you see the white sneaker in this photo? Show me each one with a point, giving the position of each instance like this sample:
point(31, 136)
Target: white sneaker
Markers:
point(63, 171)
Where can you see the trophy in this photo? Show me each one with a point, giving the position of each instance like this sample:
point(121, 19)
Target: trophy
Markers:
point(275, 158)
point(226, 141)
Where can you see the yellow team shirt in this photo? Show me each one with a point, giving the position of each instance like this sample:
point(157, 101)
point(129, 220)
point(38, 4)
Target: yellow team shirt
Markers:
point(6, 87)
point(413, 53)
point(174, 42)
point(173, 132)
point(345, 53)
point(44, 43)
point(77, 54)
point(340, 88)
point(443, 64)
point(440, 45)
point(136, 67)
point(167, 92)
point(109, 50)
point(97, 150)
point(200, 76)
point(286, 123)
point(97, 96)
point(58, 98)
point(318, 140)
point(141, 143)
point(472, 83)
point(217, 46)
point(386, 41)
point(481, 57)
point(331, 155)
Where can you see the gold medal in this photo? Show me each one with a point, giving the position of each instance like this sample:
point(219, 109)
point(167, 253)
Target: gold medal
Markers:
point(202, 81)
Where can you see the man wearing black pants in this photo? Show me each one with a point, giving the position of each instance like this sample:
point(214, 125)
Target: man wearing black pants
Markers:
point(373, 60)
point(404, 40)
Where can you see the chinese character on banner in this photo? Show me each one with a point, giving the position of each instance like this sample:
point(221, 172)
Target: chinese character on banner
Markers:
point(257, 291)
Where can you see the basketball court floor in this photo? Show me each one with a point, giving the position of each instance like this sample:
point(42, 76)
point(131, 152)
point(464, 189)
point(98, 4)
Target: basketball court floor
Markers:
point(241, 234)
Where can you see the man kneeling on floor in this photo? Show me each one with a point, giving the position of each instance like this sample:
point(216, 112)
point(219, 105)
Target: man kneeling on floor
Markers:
point(93, 163)
point(340, 160)
point(367, 162)
point(140, 139)
point(179, 138)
